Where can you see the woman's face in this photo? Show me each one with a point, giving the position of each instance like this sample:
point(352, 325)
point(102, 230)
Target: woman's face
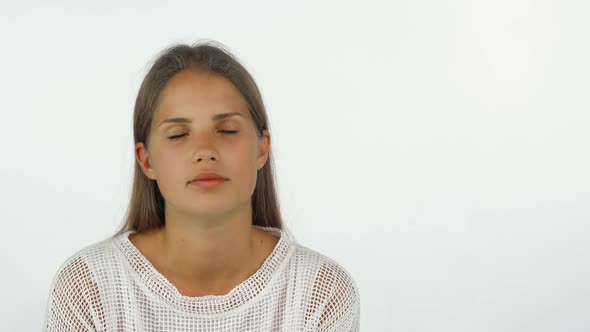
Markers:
point(189, 136)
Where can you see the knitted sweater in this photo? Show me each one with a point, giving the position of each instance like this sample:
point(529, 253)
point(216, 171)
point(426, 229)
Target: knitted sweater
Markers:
point(111, 286)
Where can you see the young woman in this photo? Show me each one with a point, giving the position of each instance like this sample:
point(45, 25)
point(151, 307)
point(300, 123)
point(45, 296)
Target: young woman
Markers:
point(203, 247)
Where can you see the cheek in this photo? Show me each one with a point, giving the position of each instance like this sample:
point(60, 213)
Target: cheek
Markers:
point(244, 163)
point(242, 153)
point(169, 171)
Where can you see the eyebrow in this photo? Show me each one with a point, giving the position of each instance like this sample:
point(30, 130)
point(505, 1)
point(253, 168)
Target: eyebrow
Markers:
point(216, 117)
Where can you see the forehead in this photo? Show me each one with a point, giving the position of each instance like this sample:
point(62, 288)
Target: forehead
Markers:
point(195, 94)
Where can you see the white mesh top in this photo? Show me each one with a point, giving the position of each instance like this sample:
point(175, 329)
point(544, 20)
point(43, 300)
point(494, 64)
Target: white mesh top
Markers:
point(111, 286)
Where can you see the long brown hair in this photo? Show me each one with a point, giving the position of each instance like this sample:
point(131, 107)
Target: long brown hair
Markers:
point(146, 206)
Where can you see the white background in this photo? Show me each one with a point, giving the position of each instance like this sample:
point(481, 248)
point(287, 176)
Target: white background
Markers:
point(438, 150)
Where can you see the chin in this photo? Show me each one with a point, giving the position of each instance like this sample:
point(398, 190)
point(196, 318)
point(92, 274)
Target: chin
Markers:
point(211, 209)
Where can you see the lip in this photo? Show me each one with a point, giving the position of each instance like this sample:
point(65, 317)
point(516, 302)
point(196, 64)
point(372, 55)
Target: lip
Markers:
point(208, 183)
point(208, 176)
point(208, 180)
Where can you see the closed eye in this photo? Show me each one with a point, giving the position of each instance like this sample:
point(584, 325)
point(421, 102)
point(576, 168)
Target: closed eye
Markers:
point(175, 137)
point(229, 132)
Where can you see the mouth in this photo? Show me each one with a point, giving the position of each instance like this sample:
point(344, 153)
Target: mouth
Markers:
point(208, 179)
point(208, 182)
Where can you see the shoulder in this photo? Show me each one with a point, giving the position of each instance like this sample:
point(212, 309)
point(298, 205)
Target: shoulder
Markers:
point(334, 296)
point(81, 269)
point(87, 259)
point(329, 273)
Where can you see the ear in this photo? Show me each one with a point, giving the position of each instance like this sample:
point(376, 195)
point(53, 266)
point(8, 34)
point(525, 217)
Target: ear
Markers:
point(263, 148)
point(143, 159)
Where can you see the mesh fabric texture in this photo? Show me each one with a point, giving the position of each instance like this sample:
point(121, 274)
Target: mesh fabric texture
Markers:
point(111, 286)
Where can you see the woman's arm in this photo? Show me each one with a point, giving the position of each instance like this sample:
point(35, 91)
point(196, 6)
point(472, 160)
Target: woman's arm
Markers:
point(342, 310)
point(71, 300)
point(335, 300)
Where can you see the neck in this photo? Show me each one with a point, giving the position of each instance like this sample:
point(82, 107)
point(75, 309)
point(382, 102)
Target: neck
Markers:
point(208, 251)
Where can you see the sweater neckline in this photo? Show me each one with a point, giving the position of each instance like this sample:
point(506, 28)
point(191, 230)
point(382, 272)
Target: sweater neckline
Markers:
point(207, 304)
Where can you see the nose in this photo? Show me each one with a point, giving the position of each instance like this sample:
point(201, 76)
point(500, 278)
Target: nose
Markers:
point(204, 147)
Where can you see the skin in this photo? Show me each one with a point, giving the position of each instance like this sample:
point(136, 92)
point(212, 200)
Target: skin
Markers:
point(208, 244)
